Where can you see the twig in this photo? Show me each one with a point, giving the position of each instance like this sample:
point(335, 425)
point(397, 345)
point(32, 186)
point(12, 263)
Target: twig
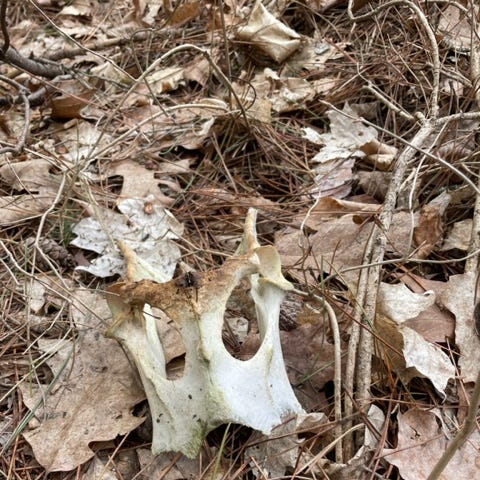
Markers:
point(76, 42)
point(376, 248)
point(139, 36)
point(3, 26)
point(462, 435)
point(377, 253)
point(352, 354)
point(10, 55)
point(337, 378)
point(33, 66)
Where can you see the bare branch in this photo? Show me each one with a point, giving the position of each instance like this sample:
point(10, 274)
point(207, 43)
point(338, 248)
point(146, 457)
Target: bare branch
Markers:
point(3, 26)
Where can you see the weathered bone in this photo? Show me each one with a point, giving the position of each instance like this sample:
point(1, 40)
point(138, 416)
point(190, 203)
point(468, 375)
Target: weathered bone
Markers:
point(215, 388)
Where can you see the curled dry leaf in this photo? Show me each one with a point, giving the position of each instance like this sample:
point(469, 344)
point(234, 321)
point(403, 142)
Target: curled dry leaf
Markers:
point(409, 353)
point(269, 34)
point(350, 135)
point(435, 323)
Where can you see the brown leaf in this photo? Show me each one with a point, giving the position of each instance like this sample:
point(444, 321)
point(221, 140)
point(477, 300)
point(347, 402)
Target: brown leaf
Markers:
point(74, 96)
point(93, 397)
point(460, 236)
point(184, 12)
point(421, 444)
point(409, 353)
point(168, 466)
point(313, 360)
point(338, 245)
point(436, 323)
point(33, 177)
point(428, 233)
point(138, 182)
point(459, 298)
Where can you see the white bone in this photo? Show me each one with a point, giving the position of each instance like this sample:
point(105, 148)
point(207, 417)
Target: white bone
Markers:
point(215, 388)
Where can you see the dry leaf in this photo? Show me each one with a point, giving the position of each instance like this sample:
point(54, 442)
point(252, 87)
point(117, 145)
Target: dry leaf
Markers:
point(435, 323)
point(188, 127)
point(374, 184)
point(77, 8)
point(94, 395)
point(338, 245)
point(199, 70)
point(421, 444)
point(167, 466)
point(313, 57)
point(313, 360)
point(145, 226)
point(72, 98)
point(279, 453)
point(322, 5)
point(428, 233)
point(329, 207)
point(32, 176)
point(184, 12)
point(349, 135)
point(161, 81)
point(459, 298)
point(138, 182)
point(80, 143)
point(279, 94)
point(455, 27)
point(395, 305)
point(99, 470)
point(459, 237)
point(269, 34)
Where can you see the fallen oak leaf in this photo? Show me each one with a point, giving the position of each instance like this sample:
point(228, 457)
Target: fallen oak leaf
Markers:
point(93, 398)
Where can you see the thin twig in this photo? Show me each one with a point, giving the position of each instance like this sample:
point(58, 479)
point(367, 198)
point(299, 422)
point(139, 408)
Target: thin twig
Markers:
point(375, 252)
point(352, 355)
point(33, 66)
point(337, 377)
point(3, 26)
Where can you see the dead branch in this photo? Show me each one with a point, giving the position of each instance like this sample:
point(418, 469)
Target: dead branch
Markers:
point(30, 65)
point(375, 250)
point(3, 26)
point(37, 67)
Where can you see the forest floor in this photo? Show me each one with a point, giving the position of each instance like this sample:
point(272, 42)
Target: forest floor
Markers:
point(151, 130)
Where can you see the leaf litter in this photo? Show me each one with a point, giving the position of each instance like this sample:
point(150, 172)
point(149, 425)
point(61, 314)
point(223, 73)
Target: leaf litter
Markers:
point(258, 104)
